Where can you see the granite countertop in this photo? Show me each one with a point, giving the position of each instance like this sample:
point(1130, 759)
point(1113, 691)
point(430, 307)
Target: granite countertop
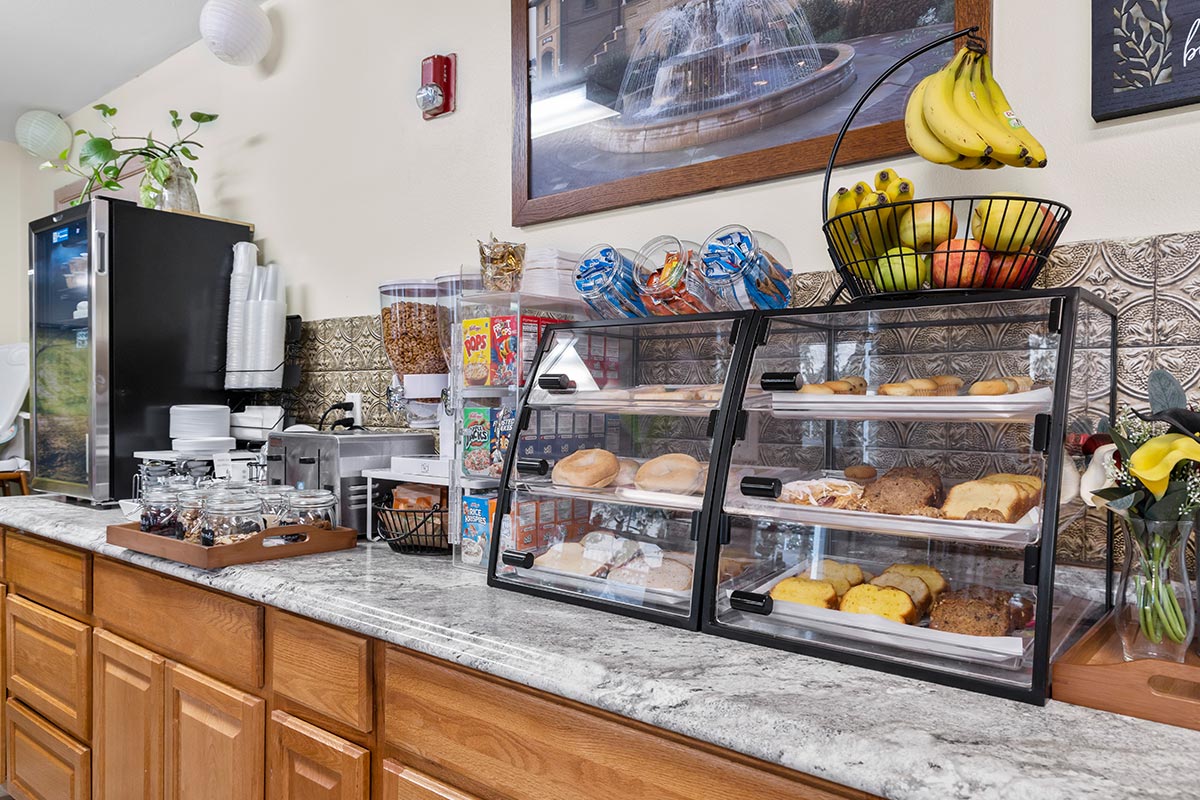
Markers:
point(891, 736)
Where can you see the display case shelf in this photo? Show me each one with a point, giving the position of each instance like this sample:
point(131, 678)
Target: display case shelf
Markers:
point(625, 496)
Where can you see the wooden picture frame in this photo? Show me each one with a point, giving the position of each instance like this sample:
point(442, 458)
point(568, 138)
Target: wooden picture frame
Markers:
point(795, 158)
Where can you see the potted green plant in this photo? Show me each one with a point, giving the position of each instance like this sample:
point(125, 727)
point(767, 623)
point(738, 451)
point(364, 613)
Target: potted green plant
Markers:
point(167, 182)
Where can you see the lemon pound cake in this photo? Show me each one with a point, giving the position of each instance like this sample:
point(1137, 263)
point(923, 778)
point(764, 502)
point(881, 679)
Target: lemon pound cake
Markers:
point(882, 601)
point(806, 591)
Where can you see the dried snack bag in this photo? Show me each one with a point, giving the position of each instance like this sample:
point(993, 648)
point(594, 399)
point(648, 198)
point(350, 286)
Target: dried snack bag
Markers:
point(477, 351)
point(477, 440)
point(504, 351)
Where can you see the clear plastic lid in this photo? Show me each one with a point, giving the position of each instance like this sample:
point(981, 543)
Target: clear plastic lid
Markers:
point(413, 291)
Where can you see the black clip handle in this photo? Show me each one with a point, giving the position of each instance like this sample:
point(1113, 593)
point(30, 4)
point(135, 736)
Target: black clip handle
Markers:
point(516, 558)
point(754, 486)
point(533, 466)
point(781, 382)
point(751, 602)
point(275, 457)
point(308, 460)
point(556, 383)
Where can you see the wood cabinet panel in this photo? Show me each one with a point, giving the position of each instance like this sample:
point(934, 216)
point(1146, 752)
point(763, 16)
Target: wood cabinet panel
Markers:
point(43, 762)
point(321, 668)
point(402, 783)
point(307, 763)
point(56, 576)
point(495, 738)
point(217, 634)
point(214, 739)
point(127, 731)
point(49, 658)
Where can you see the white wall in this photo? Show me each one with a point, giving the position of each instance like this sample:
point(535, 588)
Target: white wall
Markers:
point(13, 301)
point(326, 153)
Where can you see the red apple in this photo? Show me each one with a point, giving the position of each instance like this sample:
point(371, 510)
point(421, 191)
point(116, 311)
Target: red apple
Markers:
point(959, 264)
point(1047, 231)
point(1012, 270)
point(926, 225)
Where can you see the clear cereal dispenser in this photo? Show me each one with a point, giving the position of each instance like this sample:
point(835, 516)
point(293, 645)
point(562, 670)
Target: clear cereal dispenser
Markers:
point(747, 269)
point(408, 312)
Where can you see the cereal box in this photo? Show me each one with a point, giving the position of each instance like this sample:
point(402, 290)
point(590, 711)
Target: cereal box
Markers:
point(477, 528)
point(504, 419)
point(477, 351)
point(477, 440)
point(504, 351)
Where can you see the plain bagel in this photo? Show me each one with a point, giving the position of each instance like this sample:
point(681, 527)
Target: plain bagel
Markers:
point(675, 472)
point(586, 469)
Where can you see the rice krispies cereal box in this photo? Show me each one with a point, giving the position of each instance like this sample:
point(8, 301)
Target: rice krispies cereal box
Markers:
point(477, 440)
point(477, 515)
point(477, 351)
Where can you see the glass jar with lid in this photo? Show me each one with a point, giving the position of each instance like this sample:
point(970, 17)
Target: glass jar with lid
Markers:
point(230, 517)
point(747, 269)
point(274, 503)
point(669, 281)
point(160, 511)
point(181, 483)
point(313, 507)
point(604, 279)
point(191, 514)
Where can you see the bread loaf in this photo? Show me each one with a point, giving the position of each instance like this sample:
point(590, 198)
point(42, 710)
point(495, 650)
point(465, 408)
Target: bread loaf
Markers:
point(882, 601)
point(806, 591)
point(914, 587)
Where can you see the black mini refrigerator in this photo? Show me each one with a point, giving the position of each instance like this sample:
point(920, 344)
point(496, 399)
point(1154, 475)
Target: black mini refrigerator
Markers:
point(128, 308)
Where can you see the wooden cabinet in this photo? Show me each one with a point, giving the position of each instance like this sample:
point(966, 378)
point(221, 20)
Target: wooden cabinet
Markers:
point(214, 739)
point(43, 763)
point(129, 695)
point(56, 576)
point(403, 783)
point(321, 668)
point(307, 763)
point(49, 664)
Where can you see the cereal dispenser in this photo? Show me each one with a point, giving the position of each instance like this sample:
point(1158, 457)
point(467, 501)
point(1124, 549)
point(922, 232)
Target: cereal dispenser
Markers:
point(408, 311)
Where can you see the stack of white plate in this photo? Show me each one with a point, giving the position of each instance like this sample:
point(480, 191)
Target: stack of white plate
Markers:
point(203, 446)
point(199, 422)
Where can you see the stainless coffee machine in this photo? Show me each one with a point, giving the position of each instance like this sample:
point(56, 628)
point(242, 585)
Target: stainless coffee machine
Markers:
point(335, 461)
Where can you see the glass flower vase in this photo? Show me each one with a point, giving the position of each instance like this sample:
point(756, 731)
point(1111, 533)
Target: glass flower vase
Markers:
point(1154, 611)
point(178, 192)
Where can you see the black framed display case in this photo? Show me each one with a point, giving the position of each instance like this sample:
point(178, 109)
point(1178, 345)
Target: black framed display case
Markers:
point(793, 530)
point(609, 483)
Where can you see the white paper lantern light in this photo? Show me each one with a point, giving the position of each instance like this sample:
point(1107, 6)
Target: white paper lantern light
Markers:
point(43, 134)
point(236, 31)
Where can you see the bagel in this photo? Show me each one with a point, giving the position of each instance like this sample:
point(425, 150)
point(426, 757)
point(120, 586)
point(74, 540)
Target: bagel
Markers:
point(628, 469)
point(586, 469)
point(675, 472)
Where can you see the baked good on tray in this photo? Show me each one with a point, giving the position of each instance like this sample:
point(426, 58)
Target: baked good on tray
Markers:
point(572, 557)
point(1010, 384)
point(677, 473)
point(586, 469)
point(975, 611)
point(671, 394)
point(654, 573)
point(882, 601)
point(914, 587)
point(626, 469)
point(937, 386)
point(934, 579)
point(806, 591)
point(904, 490)
point(842, 576)
point(996, 498)
point(828, 492)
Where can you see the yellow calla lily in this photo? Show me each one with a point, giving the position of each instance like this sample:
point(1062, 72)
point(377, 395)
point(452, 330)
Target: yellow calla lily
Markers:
point(1152, 462)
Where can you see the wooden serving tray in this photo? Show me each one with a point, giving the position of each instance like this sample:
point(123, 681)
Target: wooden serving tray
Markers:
point(264, 546)
point(1094, 673)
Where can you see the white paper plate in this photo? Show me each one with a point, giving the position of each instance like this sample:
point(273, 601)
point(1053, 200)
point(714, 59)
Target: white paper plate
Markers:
point(206, 445)
point(972, 408)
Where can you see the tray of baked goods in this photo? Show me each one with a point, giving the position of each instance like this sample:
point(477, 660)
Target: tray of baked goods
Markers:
point(605, 564)
point(1001, 509)
point(671, 481)
point(651, 399)
point(939, 398)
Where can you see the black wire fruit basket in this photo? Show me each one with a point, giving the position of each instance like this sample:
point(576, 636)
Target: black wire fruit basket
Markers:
point(419, 532)
point(944, 244)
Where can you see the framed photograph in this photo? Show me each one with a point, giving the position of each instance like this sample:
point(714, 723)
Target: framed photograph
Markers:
point(621, 102)
point(1145, 56)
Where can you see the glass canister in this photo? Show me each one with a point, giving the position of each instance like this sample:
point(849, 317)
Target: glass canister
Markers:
point(160, 511)
point(314, 507)
point(191, 514)
point(181, 483)
point(410, 331)
point(668, 277)
point(274, 503)
point(604, 279)
point(450, 286)
point(747, 269)
point(229, 518)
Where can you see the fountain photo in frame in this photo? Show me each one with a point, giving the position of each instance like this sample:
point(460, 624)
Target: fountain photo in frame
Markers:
point(620, 102)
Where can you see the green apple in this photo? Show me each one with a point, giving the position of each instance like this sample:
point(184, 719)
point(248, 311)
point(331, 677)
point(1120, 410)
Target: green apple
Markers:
point(927, 224)
point(900, 270)
point(1006, 222)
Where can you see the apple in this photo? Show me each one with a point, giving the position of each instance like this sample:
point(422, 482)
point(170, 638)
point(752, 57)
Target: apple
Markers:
point(1047, 231)
point(926, 224)
point(1007, 222)
point(1012, 270)
point(900, 270)
point(959, 264)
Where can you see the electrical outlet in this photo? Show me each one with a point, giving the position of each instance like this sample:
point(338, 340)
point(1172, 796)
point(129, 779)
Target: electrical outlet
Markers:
point(357, 411)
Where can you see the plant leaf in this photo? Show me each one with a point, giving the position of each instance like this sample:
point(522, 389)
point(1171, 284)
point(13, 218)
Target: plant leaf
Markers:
point(96, 152)
point(82, 132)
point(200, 117)
point(187, 154)
point(64, 155)
point(1165, 391)
point(1127, 501)
point(105, 110)
point(112, 186)
point(195, 177)
point(1115, 492)
point(1180, 420)
point(1123, 446)
point(157, 169)
point(1168, 507)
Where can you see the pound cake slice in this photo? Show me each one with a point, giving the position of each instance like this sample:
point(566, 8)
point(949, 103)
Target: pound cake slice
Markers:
point(806, 591)
point(975, 611)
point(903, 490)
point(882, 601)
point(914, 587)
point(936, 582)
point(1009, 500)
point(842, 576)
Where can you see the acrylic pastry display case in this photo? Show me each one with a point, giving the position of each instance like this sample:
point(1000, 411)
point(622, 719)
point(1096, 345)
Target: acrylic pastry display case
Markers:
point(898, 477)
point(603, 497)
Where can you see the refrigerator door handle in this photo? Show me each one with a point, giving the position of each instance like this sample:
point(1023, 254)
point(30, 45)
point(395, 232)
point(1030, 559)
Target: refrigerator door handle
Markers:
point(101, 252)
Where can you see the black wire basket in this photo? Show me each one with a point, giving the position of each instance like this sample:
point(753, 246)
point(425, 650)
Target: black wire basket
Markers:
point(419, 532)
point(954, 244)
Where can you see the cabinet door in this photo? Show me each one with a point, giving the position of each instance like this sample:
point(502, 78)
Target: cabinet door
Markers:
point(44, 763)
point(307, 763)
point(127, 733)
point(50, 664)
point(215, 739)
point(403, 783)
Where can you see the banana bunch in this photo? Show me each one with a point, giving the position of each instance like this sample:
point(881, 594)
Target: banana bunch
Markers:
point(960, 117)
point(864, 237)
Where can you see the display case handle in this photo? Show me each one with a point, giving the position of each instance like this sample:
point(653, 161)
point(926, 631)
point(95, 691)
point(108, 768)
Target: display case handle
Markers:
point(781, 382)
point(534, 466)
point(751, 602)
point(556, 383)
point(754, 486)
point(516, 558)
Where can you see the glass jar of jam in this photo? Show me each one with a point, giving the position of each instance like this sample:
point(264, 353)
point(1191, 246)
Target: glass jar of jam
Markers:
point(229, 518)
point(604, 279)
point(747, 269)
point(191, 514)
point(316, 508)
point(160, 511)
point(668, 279)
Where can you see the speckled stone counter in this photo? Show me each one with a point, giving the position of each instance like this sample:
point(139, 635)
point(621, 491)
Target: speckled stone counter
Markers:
point(891, 736)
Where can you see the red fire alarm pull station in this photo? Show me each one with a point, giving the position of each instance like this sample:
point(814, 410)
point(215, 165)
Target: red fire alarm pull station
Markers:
point(436, 95)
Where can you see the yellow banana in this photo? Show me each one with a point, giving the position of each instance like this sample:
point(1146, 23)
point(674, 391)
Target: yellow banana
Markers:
point(885, 178)
point(862, 191)
point(1005, 114)
point(998, 164)
point(920, 138)
point(844, 234)
point(841, 202)
point(942, 117)
point(972, 163)
point(873, 222)
point(901, 191)
point(968, 89)
point(859, 262)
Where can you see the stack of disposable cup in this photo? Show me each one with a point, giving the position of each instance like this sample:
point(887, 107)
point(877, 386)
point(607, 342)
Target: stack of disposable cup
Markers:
point(245, 261)
point(266, 321)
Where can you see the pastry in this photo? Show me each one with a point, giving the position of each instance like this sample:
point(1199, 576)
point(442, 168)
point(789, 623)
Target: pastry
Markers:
point(974, 611)
point(882, 601)
point(675, 395)
point(923, 387)
point(861, 472)
point(995, 498)
point(806, 591)
point(903, 490)
point(586, 469)
point(659, 573)
point(913, 586)
point(948, 385)
point(858, 382)
point(626, 469)
point(933, 579)
point(816, 388)
point(840, 387)
point(897, 390)
point(571, 557)
point(842, 576)
point(1024, 382)
point(829, 492)
point(711, 394)
point(991, 387)
point(675, 472)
